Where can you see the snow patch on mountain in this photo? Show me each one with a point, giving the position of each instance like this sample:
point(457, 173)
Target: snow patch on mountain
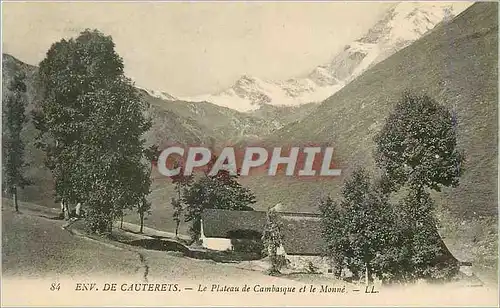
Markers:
point(159, 94)
point(250, 93)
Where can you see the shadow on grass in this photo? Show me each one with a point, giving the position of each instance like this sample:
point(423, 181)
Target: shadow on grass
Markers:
point(163, 244)
point(180, 240)
point(132, 231)
point(51, 217)
point(160, 244)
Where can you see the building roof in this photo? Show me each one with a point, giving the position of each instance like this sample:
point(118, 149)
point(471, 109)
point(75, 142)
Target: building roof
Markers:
point(301, 231)
point(219, 223)
point(302, 234)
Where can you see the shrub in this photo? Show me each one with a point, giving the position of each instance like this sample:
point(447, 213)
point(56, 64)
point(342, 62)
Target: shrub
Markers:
point(247, 245)
point(311, 268)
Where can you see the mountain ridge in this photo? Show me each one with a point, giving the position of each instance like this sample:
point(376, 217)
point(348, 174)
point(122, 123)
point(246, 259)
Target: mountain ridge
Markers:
point(402, 24)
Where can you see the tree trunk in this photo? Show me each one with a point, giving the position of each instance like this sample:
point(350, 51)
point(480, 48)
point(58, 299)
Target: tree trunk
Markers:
point(78, 209)
point(368, 274)
point(65, 210)
point(14, 195)
point(121, 222)
point(179, 218)
point(142, 222)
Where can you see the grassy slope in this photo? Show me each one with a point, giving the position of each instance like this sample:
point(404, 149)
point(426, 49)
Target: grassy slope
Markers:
point(457, 65)
point(33, 246)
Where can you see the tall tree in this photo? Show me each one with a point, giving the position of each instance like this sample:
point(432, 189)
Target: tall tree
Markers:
point(91, 121)
point(13, 122)
point(177, 214)
point(358, 219)
point(144, 207)
point(273, 238)
point(333, 233)
point(181, 185)
point(417, 149)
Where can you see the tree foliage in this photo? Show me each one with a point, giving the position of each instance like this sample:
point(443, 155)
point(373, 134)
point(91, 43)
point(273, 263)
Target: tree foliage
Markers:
point(181, 185)
point(417, 151)
point(359, 229)
point(333, 233)
point(418, 144)
point(13, 121)
point(91, 121)
point(272, 238)
point(425, 255)
point(144, 207)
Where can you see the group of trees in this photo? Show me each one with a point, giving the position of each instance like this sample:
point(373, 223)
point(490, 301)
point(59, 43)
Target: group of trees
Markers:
point(374, 236)
point(90, 122)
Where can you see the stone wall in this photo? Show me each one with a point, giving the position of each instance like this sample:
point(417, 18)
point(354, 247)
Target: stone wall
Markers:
point(304, 263)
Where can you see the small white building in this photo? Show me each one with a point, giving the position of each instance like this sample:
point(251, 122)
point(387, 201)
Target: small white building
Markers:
point(220, 227)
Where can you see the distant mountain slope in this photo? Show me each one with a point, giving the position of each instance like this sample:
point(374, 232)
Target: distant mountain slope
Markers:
point(212, 122)
point(403, 23)
point(457, 65)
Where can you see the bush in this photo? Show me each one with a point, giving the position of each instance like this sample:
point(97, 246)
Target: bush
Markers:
point(444, 272)
point(247, 245)
point(246, 241)
point(277, 263)
point(311, 268)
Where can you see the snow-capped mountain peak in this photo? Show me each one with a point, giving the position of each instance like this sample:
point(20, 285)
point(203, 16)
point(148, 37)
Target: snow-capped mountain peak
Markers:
point(402, 24)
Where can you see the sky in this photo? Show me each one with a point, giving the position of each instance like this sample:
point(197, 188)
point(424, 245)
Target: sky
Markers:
point(192, 48)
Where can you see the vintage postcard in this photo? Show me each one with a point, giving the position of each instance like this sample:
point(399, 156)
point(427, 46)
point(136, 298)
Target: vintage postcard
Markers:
point(249, 154)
